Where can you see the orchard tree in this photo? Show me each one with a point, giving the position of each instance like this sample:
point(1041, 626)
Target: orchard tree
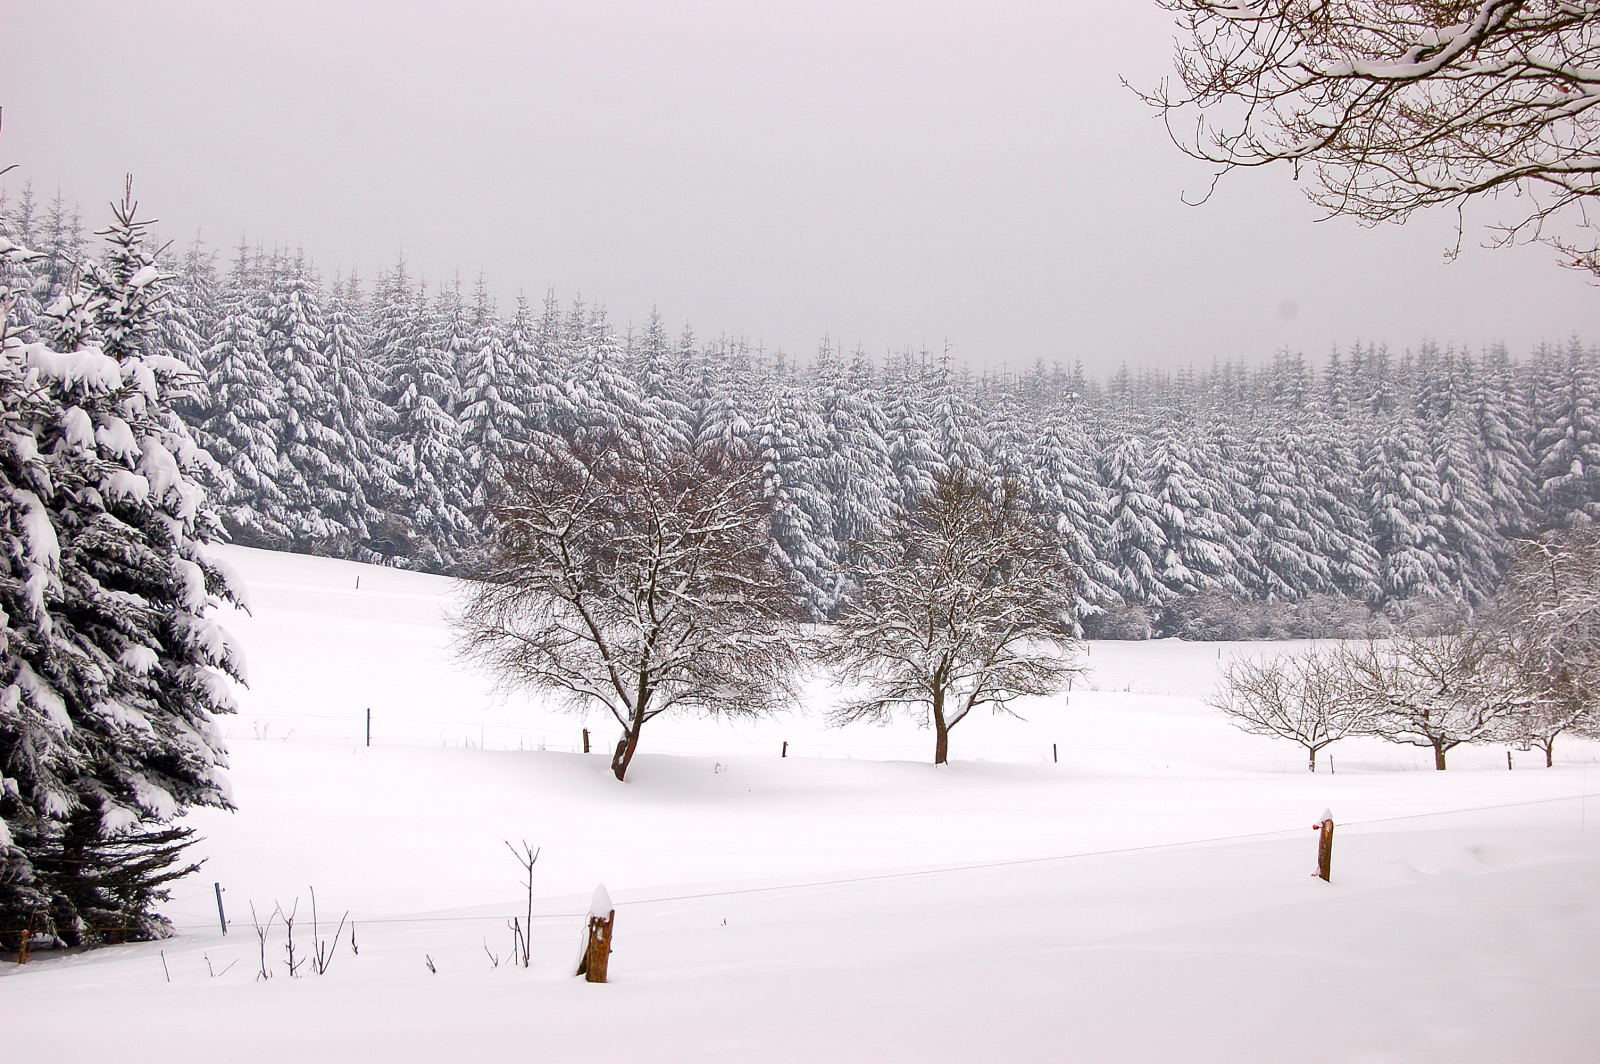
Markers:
point(639, 579)
point(1388, 108)
point(966, 601)
point(1299, 697)
point(1435, 691)
point(1547, 616)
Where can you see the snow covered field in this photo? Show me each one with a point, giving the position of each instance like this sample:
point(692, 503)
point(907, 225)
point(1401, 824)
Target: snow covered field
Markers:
point(1147, 897)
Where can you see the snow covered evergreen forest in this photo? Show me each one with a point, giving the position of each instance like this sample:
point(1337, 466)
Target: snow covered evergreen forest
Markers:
point(367, 422)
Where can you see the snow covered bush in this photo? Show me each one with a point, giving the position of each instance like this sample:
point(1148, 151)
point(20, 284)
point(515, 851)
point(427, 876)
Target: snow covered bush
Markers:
point(1120, 622)
point(965, 601)
point(1220, 615)
point(1215, 615)
point(1428, 615)
point(1332, 616)
point(637, 578)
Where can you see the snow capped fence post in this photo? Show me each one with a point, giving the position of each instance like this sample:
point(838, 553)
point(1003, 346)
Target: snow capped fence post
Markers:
point(1325, 847)
point(596, 957)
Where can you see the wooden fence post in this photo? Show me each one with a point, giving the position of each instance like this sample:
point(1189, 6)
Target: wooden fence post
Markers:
point(596, 956)
point(222, 916)
point(369, 725)
point(785, 749)
point(1055, 755)
point(586, 740)
point(1325, 847)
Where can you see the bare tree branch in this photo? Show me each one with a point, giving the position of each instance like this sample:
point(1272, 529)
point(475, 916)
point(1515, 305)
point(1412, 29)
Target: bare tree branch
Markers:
point(1389, 108)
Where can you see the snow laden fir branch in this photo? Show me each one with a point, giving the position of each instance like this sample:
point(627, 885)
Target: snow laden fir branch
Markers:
point(111, 662)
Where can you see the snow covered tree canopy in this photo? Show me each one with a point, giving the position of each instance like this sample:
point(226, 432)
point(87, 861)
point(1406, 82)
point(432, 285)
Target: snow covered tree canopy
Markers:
point(638, 579)
point(1434, 691)
point(1547, 620)
point(966, 601)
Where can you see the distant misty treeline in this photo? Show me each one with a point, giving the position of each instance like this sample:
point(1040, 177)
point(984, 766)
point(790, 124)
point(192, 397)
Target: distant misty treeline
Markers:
point(368, 422)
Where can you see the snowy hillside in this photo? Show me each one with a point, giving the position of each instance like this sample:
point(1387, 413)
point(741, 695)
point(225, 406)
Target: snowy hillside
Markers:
point(1145, 897)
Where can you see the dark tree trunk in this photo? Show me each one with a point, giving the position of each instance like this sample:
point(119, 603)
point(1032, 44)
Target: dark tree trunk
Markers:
point(626, 747)
point(1438, 756)
point(1550, 752)
point(1311, 758)
point(941, 731)
point(71, 874)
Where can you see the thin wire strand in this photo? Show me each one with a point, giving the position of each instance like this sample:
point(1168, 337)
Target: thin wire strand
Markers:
point(942, 870)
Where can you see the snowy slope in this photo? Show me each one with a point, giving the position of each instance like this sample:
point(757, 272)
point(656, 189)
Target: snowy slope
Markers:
point(1146, 898)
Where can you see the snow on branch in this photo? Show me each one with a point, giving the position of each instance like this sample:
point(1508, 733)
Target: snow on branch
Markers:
point(1389, 108)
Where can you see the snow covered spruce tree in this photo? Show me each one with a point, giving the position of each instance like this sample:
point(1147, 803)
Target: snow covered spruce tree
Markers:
point(122, 661)
point(966, 601)
point(244, 410)
point(33, 753)
point(635, 578)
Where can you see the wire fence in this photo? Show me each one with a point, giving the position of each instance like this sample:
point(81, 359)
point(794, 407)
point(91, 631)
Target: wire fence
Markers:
point(380, 730)
point(941, 870)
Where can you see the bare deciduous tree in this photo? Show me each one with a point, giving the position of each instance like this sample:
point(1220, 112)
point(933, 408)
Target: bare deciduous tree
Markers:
point(1436, 691)
point(1299, 697)
point(1393, 107)
point(1547, 616)
point(639, 580)
point(967, 601)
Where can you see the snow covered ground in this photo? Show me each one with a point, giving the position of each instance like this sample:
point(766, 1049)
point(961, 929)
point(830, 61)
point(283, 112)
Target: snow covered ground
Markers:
point(1146, 897)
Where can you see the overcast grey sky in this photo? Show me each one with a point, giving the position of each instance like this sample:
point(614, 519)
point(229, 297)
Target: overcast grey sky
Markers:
point(886, 173)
